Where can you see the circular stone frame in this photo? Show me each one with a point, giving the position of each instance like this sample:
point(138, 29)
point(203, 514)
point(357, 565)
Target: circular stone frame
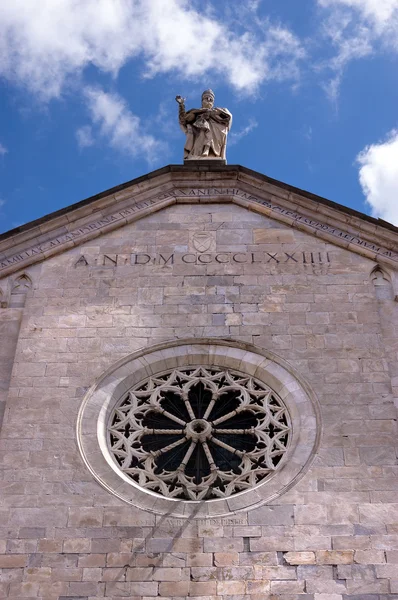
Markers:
point(269, 368)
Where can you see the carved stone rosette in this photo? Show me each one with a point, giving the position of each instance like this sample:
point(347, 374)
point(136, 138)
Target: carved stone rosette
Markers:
point(199, 433)
point(199, 428)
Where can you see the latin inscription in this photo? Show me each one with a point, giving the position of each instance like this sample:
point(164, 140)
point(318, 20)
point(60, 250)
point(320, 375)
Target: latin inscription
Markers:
point(76, 233)
point(219, 522)
point(123, 215)
point(193, 258)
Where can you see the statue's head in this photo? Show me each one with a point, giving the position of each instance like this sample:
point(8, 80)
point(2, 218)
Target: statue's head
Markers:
point(208, 99)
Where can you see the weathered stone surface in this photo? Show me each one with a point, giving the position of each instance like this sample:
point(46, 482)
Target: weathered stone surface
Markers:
point(300, 558)
point(272, 515)
point(309, 299)
point(335, 557)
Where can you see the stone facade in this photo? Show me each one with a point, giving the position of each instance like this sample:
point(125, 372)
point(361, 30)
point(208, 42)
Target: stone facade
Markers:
point(268, 279)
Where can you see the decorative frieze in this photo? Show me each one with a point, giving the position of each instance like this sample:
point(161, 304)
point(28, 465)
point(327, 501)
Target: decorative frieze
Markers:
point(109, 222)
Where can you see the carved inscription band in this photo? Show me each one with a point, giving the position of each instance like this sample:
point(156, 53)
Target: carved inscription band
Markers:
point(105, 224)
point(193, 258)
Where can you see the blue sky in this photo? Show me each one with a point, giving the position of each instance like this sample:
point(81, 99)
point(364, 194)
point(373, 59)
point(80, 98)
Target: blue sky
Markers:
point(87, 92)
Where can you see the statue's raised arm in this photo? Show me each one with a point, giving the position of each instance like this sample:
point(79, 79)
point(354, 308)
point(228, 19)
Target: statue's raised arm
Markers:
point(206, 129)
point(181, 112)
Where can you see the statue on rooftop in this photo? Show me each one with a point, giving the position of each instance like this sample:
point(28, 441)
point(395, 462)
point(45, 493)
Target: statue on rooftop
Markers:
point(206, 128)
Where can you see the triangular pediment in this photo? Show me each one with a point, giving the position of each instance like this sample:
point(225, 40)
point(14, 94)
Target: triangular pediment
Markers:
point(193, 184)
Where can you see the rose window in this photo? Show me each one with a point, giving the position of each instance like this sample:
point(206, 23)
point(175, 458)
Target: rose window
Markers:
point(199, 433)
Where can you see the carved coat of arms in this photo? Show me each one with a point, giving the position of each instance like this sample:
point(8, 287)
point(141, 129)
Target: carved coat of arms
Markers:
point(201, 241)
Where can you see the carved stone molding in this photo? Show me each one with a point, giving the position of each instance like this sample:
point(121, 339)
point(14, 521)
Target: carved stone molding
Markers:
point(71, 230)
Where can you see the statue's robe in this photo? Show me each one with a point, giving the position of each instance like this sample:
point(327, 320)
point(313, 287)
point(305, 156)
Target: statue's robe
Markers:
point(206, 127)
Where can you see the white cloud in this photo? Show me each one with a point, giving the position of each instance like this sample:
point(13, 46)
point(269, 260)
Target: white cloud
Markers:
point(236, 136)
point(357, 28)
point(122, 129)
point(378, 175)
point(3, 150)
point(84, 136)
point(42, 44)
point(379, 13)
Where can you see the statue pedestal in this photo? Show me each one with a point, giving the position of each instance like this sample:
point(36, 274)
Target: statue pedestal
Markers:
point(205, 162)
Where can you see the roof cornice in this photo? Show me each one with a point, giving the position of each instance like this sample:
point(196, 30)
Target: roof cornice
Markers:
point(80, 222)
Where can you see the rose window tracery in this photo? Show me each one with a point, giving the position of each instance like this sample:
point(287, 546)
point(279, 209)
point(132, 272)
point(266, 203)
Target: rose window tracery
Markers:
point(199, 433)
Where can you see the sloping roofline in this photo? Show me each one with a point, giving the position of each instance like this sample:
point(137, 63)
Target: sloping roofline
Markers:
point(199, 168)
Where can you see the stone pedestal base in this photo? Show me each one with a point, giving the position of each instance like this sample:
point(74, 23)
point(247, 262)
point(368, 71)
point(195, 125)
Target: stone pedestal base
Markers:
point(205, 162)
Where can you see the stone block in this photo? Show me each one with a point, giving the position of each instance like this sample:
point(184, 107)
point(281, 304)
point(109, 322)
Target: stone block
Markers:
point(272, 515)
point(77, 545)
point(92, 574)
point(378, 513)
point(247, 531)
point(28, 589)
point(13, 561)
point(392, 556)
point(118, 559)
point(369, 557)
point(258, 558)
point(143, 560)
point(114, 574)
point(105, 545)
point(300, 558)
point(230, 588)
point(150, 296)
point(236, 573)
point(287, 587)
point(342, 513)
point(311, 542)
point(167, 574)
point(151, 588)
point(164, 545)
point(357, 586)
point(38, 574)
point(204, 573)
point(223, 544)
point(85, 517)
point(38, 517)
point(334, 557)
point(346, 542)
point(210, 530)
point(326, 586)
point(202, 588)
point(315, 572)
point(49, 545)
point(117, 589)
point(225, 559)
point(386, 571)
point(73, 597)
point(32, 532)
point(201, 559)
point(191, 545)
point(258, 588)
point(279, 572)
point(67, 574)
point(141, 574)
point(280, 544)
point(172, 589)
point(378, 455)
point(310, 514)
